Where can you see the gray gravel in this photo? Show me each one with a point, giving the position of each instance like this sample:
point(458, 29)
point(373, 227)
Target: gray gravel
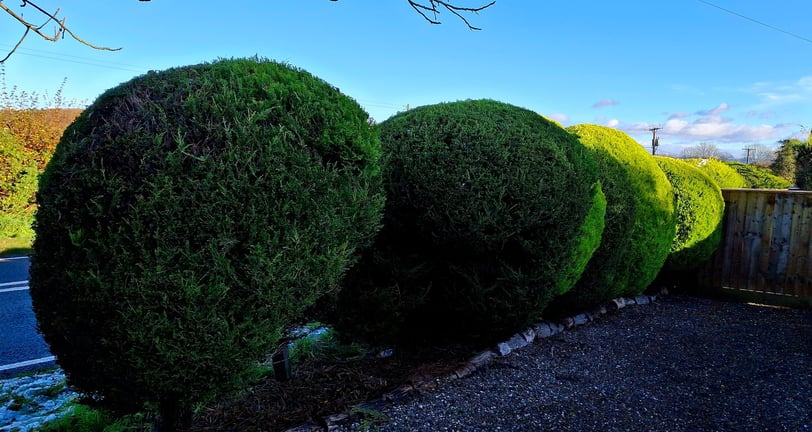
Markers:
point(29, 401)
point(680, 364)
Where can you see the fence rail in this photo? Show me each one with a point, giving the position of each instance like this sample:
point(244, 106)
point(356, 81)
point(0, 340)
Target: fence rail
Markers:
point(766, 243)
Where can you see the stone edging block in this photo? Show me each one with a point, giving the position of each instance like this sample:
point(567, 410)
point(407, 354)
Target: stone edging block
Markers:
point(535, 333)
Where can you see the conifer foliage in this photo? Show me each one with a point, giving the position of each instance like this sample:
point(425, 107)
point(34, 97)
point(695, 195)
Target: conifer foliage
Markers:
point(187, 216)
point(491, 211)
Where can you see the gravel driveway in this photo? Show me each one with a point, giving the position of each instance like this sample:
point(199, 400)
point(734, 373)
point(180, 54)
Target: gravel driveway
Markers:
point(680, 364)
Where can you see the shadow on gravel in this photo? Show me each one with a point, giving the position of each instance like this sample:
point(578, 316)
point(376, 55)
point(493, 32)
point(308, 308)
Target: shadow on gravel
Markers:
point(682, 363)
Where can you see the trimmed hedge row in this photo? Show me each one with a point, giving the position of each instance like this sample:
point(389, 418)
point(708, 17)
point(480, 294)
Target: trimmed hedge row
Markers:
point(700, 208)
point(758, 178)
point(189, 215)
point(721, 173)
point(186, 217)
point(492, 211)
point(639, 221)
point(18, 184)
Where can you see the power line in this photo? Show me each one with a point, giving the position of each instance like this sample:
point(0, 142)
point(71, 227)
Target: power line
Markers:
point(50, 55)
point(756, 21)
point(61, 54)
point(127, 69)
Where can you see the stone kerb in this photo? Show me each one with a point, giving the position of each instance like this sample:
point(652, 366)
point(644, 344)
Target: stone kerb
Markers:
point(534, 334)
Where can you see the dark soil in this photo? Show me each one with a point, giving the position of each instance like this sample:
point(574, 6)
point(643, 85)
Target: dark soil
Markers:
point(682, 363)
point(326, 387)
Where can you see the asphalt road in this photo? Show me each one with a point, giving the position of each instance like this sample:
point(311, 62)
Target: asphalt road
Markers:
point(21, 346)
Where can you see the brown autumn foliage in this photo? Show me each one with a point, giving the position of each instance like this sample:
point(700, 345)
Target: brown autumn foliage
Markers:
point(39, 129)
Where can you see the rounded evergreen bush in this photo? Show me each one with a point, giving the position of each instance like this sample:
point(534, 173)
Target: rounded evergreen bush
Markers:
point(491, 211)
point(700, 209)
point(639, 221)
point(721, 173)
point(18, 184)
point(187, 216)
point(759, 178)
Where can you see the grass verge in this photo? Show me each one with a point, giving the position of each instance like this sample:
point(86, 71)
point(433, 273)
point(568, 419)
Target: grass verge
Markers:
point(14, 246)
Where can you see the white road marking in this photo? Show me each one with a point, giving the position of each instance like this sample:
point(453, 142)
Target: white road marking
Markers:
point(13, 258)
point(13, 286)
point(22, 288)
point(27, 363)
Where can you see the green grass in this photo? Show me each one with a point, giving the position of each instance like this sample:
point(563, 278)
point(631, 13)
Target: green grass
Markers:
point(306, 349)
point(13, 246)
point(370, 418)
point(85, 419)
point(52, 391)
point(323, 346)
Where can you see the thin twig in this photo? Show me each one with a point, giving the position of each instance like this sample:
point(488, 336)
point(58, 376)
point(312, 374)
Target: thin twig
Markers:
point(63, 28)
point(19, 42)
point(434, 5)
point(59, 32)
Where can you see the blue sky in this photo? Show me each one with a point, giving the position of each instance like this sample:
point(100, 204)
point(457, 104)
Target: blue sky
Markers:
point(700, 73)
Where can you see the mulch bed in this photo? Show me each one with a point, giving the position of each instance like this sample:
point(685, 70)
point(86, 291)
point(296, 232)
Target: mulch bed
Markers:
point(684, 363)
point(324, 388)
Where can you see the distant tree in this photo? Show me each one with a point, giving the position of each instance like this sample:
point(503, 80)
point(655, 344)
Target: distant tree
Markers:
point(803, 165)
point(703, 150)
point(429, 10)
point(727, 156)
point(784, 163)
point(761, 155)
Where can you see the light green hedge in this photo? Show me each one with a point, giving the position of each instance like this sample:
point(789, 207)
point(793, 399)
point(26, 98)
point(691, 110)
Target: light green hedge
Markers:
point(721, 173)
point(759, 178)
point(639, 220)
point(18, 184)
point(700, 209)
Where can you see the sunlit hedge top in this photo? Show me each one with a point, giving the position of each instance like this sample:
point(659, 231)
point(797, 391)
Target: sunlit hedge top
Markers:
point(721, 173)
point(700, 209)
point(759, 178)
point(639, 219)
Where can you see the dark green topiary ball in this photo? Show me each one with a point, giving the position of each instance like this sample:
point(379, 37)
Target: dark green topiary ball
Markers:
point(491, 211)
point(639, 221)
point(187, 216)
point(721, 173)
point(700, 208)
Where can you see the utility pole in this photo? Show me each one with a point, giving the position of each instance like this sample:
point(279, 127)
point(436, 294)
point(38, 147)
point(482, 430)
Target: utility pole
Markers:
point(655, 140)
point(747, 157)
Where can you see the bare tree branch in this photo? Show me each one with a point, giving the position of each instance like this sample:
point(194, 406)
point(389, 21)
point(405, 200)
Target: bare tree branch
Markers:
point(59, 32)
point(433, 8)
point(428, 9)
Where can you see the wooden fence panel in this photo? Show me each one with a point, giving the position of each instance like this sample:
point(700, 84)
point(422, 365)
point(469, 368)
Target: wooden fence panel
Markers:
point(766, 243)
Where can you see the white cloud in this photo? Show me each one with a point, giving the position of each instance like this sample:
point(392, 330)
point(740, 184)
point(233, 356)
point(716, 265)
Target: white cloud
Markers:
point(715, 111)
point(561, 118)
point(731, 124)
point(711, 129)
point(605, 103)
point(781, 93)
